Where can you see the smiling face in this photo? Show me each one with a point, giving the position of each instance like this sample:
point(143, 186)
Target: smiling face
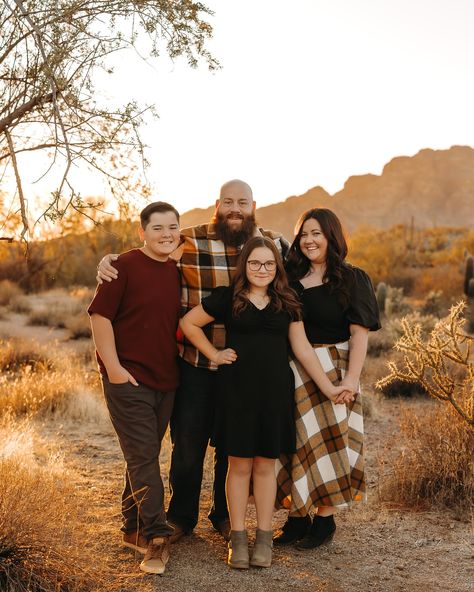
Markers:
point(259, 278)
point(161, 235)
point(235, 213)
point(235, 204)
point(313, 243)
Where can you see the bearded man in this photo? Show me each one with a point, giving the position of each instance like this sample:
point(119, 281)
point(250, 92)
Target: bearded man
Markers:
point(207, 259)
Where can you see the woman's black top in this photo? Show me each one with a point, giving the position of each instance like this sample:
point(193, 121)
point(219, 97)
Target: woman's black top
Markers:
point(326, 320)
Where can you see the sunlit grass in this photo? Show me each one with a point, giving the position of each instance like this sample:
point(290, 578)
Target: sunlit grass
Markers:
point(42, 520)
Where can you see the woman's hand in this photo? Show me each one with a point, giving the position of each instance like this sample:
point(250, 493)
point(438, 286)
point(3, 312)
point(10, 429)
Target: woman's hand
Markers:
point(225, 356)
point(340, 395)
point(106, 271)
point(350, 383)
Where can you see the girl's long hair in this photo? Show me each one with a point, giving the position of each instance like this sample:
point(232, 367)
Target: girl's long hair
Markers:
point(282, 297)
point(336, 273)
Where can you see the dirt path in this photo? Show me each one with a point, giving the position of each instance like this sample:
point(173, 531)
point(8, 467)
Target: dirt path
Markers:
point(377, 547)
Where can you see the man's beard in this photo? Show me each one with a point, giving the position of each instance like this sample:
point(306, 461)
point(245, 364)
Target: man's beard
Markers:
point(234, 238)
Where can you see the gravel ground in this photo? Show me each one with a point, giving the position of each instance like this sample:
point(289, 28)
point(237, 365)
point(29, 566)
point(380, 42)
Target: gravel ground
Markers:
point(377, 547)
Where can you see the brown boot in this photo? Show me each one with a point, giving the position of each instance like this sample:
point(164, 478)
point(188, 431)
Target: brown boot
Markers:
point(238, 550)
point(262, 549)
point(156, 556)
point(136, 541)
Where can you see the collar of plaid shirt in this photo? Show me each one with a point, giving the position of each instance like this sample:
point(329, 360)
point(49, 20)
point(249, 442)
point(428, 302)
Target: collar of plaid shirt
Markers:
point(205, 263)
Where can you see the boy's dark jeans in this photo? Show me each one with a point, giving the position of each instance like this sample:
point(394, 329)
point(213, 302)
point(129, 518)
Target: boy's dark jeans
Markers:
point(191, 426)
point(140, 416)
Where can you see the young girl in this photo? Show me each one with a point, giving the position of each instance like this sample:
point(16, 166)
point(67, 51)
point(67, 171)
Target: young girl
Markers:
point(254, 421)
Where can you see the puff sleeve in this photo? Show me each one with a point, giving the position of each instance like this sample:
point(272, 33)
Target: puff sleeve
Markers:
point(363, 309)
point(218, 303)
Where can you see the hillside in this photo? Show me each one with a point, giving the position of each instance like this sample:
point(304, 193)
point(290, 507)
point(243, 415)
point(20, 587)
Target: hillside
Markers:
point(434, 186)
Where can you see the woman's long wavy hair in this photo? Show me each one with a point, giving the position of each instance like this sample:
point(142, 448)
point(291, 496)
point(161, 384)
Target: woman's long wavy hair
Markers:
point(282, 297)
point(336, 273)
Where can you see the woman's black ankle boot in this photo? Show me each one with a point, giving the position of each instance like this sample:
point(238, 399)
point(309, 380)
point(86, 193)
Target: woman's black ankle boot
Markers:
point(293, 530)
point(321, 532)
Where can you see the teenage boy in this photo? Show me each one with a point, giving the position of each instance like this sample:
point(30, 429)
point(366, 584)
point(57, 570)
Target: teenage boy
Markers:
point(134, 322)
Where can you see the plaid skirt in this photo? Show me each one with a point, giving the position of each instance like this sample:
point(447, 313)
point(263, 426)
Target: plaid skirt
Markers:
point(328, 466)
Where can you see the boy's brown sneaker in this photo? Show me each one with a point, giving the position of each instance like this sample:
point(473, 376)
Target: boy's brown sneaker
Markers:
point(136, 541)
point(156, 556)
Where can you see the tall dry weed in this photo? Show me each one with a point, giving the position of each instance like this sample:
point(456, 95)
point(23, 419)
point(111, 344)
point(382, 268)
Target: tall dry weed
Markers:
point(436, 465)
point(40, 382)
point(42, 520)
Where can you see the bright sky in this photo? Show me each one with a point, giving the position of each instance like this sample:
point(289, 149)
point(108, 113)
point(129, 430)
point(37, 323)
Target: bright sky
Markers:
point(311, 92)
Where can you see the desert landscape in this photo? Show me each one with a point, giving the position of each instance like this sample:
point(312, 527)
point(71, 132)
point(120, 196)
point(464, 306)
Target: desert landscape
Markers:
point(364, 108)
point(62, 471)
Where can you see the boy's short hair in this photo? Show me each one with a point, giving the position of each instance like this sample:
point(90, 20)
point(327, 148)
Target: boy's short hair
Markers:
point(157, 206)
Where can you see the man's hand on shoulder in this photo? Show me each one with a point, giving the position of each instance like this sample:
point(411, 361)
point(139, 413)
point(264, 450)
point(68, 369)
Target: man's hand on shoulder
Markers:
point(105, 270)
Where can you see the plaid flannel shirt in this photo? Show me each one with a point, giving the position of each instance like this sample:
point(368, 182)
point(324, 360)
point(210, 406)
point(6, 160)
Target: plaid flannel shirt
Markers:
point(206, 262)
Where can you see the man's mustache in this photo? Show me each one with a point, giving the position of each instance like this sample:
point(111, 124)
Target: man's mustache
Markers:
point(234, 215)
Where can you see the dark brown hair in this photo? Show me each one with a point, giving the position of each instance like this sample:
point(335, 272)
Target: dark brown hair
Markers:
point(282, 297)
point(336, 273)
point(157, 206)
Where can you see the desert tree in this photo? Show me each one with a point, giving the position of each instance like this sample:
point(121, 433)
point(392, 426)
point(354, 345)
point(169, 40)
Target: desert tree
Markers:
point(50, 54)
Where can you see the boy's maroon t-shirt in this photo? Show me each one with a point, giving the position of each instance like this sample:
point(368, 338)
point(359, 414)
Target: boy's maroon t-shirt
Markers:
point(143, 305)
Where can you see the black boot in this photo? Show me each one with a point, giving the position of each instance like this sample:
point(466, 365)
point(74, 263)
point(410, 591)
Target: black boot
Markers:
point(321, 532)
point(293, 530)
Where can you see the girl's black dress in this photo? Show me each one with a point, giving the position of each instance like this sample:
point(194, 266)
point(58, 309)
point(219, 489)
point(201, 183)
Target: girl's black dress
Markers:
point(255, 401)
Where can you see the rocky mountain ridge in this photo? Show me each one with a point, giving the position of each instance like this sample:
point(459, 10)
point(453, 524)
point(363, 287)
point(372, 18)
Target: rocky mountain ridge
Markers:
point(435, 187)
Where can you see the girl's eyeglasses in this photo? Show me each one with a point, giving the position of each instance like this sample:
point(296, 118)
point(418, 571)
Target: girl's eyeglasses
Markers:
point(255, 265)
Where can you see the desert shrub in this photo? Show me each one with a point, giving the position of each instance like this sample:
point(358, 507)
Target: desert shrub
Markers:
point(434, 304)
point(8, 291)
point(383, 341)
point(42, 521)
point(79, 327)
point(396, 303)
point(435, 466)
point(20, 304)
point(56, 309)
point(403, 388)
point(444, 276)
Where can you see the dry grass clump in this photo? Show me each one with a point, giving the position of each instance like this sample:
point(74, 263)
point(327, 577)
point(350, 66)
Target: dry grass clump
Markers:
point(16, 354)
point(50, 392)
point(42, 521)
point(8, 291)
point(436, 465)
point(39, 382)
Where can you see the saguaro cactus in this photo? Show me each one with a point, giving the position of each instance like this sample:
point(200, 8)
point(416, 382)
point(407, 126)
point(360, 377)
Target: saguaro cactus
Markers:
point(381, 295)
point(469, 275)
point(469, 291)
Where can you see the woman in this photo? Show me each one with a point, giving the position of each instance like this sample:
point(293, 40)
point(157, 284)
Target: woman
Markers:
point(255, 414)
point(339, 309)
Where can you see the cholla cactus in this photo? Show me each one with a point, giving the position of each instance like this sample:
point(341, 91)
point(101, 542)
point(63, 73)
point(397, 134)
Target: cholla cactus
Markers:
point(441, 363)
